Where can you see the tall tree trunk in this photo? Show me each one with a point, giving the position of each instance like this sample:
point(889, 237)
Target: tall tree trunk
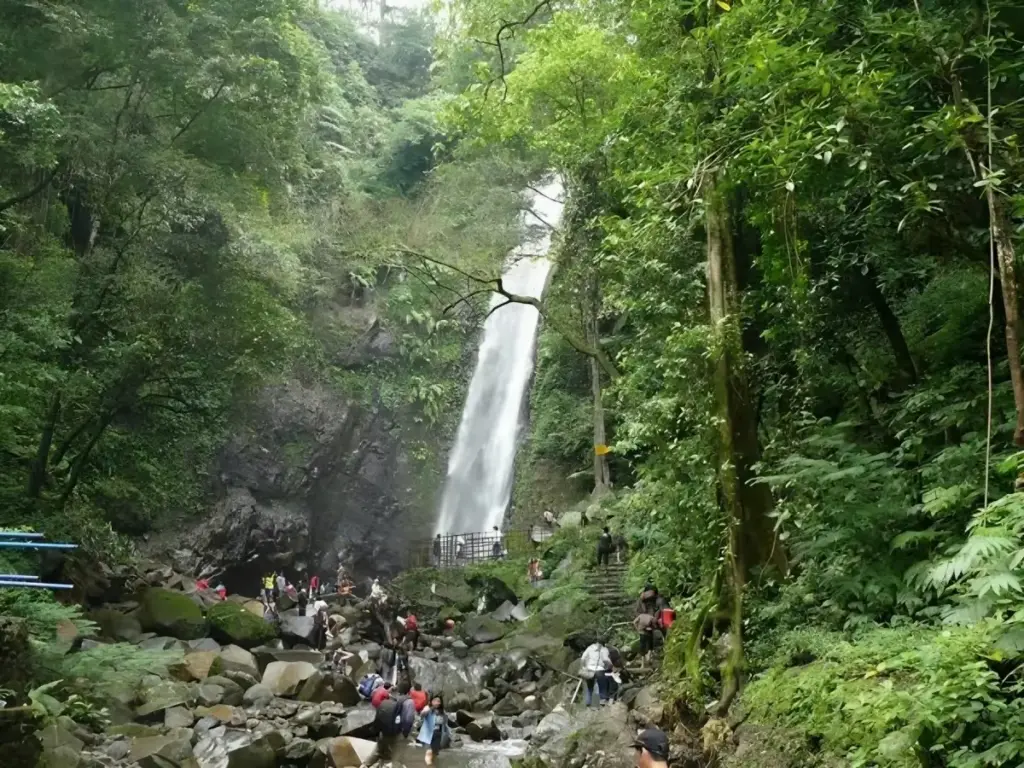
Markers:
point(1008, 278)
point(602, 474)
point(747, 505)
point(41, 462)
point(891, 326)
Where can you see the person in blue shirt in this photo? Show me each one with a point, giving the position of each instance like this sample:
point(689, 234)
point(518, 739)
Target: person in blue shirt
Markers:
point(434, 732)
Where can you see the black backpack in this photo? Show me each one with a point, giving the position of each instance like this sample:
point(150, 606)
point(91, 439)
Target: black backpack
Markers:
point(389, 716)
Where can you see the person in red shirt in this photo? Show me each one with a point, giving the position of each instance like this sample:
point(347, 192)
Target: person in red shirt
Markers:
point(380, 694)
point(412, 631)
point(202, 585)
point(222, 591)
point(419, 697)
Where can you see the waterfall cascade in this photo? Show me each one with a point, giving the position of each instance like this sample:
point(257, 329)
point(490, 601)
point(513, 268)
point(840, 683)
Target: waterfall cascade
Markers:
point(481, 466)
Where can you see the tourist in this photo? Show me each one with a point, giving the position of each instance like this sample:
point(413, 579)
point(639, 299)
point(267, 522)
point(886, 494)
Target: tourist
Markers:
point(320, 626)
point(621, 548)
point(419, 696)
point(651, 749)
point(388, 722)
point(314, 585)
point(282, 583)
point(549, 518)
point(290, 590)
point(650, 601)
point(497, 550)
point(406, 708)
point(645, 624)
point(222, 591)
point(388, 660)
point(202, 585)
point(303, 600)
point(412, 631)
point(460, 547)
point(319, 605)
point(594, 667)
point(437, 551)
point(434, 732)
point(268, 587)
point(614, 677)
point(533, 570)
point(604, 546)
point(380, 693)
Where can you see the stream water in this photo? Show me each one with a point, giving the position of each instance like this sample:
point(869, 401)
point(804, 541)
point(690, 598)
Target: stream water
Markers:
point(480, 468)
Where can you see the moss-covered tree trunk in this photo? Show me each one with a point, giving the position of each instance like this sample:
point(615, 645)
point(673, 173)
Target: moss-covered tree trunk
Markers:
point(752, 538)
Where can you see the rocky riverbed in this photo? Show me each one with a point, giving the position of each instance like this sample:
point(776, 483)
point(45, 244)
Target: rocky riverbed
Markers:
point(241, 692)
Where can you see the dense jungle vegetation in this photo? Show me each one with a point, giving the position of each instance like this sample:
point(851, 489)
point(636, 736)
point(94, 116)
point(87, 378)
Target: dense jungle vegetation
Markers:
point(788, 281)
point(198, 200)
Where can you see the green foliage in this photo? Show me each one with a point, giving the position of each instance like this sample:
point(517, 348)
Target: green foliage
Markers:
point(896, 697)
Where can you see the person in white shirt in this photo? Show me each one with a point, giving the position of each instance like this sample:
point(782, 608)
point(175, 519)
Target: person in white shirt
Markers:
point(595, 665)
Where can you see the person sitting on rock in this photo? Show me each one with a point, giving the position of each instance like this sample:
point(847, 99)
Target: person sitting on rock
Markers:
point(435, 733)
point(222, 591)
point(202, 585)
point(379, 694)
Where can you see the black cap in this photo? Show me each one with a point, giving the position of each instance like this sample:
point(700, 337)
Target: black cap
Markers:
point(654, 741)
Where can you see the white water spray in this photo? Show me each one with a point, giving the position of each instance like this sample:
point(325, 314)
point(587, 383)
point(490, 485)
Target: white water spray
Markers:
point(481, 466)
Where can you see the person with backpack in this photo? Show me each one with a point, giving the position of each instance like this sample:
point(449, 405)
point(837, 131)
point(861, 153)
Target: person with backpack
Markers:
point(645, 624)
point(595, 664)
point(650, 601)
point(604, 547)
point(435, 734)
point(389, 725)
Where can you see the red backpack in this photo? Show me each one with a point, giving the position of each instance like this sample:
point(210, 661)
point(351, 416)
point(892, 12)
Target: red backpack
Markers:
point(410, 623)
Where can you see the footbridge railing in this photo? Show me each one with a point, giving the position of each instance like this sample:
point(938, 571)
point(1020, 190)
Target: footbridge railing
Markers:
point(456, 550)
point(24, 540)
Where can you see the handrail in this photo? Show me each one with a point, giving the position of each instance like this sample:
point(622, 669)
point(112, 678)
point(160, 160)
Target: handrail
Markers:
point(29, 540)
point(456, 550)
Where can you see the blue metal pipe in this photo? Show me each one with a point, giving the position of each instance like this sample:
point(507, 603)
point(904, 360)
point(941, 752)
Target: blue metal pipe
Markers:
point(35, 545)
point(20, 535)
point(36, 584)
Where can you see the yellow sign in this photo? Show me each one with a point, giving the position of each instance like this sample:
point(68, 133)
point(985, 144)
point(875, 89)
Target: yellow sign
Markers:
point(602, 450)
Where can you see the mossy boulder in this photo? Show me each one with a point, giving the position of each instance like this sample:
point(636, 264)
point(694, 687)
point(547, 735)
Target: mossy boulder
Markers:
point(232, 624)
point(483, 629)
point(167, 612)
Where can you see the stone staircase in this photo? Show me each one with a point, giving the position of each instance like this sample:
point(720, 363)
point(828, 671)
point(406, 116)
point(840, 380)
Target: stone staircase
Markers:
point(607, 585)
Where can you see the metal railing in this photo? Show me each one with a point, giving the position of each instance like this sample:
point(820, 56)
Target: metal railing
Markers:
point(459, 549)
point(22, 540)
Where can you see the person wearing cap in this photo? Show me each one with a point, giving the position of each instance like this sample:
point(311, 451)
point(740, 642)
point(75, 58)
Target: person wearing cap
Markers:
point(651, 748)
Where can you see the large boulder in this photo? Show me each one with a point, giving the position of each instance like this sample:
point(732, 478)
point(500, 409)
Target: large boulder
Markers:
point(171, 613)
point(173, 749)
point(349, 752)
point(162, 696)
point(493, 590)
point(512, 704)
point(197, 665)
point(483, 629)
point(231, 748)
point(233, 658)
point(324, 686)
point(116, 625)
point(266, 655)
point(285, 678)
point(231, 623)
point(298, 629)
point(483, 729)
point(450, 677)
point(359, 722)
point(560, 738)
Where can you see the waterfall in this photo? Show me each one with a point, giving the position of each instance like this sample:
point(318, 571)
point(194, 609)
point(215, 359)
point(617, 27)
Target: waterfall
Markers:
point(480, 469)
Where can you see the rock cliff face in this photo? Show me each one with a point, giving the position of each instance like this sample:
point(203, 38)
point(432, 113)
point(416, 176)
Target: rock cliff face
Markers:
point(313, 480)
